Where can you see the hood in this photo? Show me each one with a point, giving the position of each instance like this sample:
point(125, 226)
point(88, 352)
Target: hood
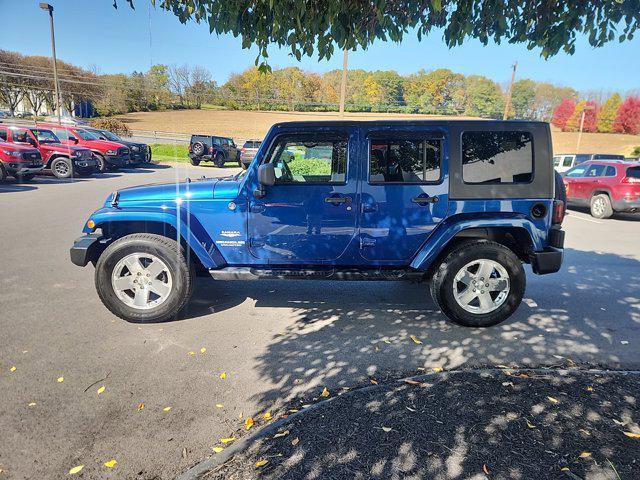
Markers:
point(102, 144)
point(126, 143)
point(167, 192)
point(62, 148)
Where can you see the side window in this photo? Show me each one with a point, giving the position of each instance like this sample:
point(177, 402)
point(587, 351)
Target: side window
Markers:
point(404, 161)
point(497, 157)
point(556, 161)
point(61, 133)
point(313, 159)
point(582, 158)
point(576, 172)
point(3, 135)
point(568, 160)
point(610, 171)
point(20, 136)
point(595, 171)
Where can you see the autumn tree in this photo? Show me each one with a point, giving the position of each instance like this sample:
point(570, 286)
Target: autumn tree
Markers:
point(628, 117)
point(548, 97)
point(439, 91)
point(563, 112)
point(590, 110)
point(608, 113)
point(522, 99)
point(484, 97)
point(12, 88)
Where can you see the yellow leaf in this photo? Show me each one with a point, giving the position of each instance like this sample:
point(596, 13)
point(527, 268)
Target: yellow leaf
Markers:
point(191, 354)
point(267, 416)
point(227, 440)
point(218, 449)
point(75, 470)
point(632, 435)
point(585, 454)
point(13, 368)
point(325, 393)
point(60, 379)
point(295, 441)
point(202, 350)
point(166, 409)
point(373, 381)
point(552, 400)
point(111, 463)
point(437, 369)
point(293, 410)
point(140, 406)
point(101, 390)
point(261, 463)
point(248, 423)
point(386, 429)
point(223, 375)
point(387, 342)
point(589, 389)
point(529, 424)
point(415, 339)
point(219, 405)
point(565, 469)
point(281, 434)
point(485, 469)
point(32, 404)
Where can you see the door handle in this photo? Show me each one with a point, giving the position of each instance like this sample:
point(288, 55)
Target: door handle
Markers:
point(424, 199)
point(337, 200)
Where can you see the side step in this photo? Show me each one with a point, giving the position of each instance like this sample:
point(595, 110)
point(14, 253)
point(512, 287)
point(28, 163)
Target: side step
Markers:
point(249, 273)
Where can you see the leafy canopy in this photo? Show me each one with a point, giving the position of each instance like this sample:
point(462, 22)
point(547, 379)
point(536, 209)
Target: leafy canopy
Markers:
point(311, 26)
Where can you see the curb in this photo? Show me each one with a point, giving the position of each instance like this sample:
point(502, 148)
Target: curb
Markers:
point(218, 459)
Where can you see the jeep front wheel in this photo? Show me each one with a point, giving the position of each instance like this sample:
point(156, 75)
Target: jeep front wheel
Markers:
point(144, 278)
point(61, 167)
point(219, 160)
point(479, 284)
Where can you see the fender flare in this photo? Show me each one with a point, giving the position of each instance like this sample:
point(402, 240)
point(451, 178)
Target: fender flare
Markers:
point(188, 227)
point(447, 230)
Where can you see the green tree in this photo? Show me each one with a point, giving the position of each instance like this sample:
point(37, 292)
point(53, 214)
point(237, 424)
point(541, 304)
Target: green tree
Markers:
point(484, 97)
point(157, 78)
point(608, 113)
point(523, 98)
point(440, 91)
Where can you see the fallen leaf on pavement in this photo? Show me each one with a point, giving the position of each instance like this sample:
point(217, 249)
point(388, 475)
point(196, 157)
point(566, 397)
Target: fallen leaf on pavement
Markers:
point(485, 469)
point(585, 455)
point(227, 440)
point(386, 429)
point(261, 463)
point(387, 342)
point(191, 353)
point(589, 389)
point(586, 432)
point(412, 382)
point(75, 470)
point(60, 379)
point(552, 400)
point(140, 406)
point(617, 422)
point(248, 423)
point(203, 350)
point(111, 463)
point(295, 441)
point(101, 390)
point(13, 368)
point(281, 434)
point(325, 392)
point(529, 424)
point(32, 404)
point(219, 405)
point(624, 342)
point(218, 449)
point(411, 409)
point(294, 410)
point(415, 339)
point(632, 435)
point(565, 469)
point(436, 369)
point(223, 375)
point(166, 409)
point(267, 416)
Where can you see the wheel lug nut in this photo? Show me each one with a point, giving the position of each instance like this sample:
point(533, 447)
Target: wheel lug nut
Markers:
point(486, 285)
point(482, 291)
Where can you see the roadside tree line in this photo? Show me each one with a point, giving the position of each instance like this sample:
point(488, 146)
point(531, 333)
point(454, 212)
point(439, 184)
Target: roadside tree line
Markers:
point(615, 115)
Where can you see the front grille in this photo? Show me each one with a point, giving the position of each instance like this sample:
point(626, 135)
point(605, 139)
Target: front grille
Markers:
point(32, 157)
point(123, 152)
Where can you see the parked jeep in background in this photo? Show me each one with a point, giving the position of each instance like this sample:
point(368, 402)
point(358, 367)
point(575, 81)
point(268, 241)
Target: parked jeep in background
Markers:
point(604, 186)
point(110, 155)
point(248, 151)
point(219, 150)
point(20, 161)
point(562, 162)
point(65, 161)
point(139, 152)
point(454, 203)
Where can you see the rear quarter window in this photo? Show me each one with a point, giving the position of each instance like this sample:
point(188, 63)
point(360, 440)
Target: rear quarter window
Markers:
point(497, 157)
point(633, 172)
point(3, 135)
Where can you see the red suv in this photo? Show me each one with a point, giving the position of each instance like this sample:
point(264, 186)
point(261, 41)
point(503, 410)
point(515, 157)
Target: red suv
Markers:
point(110, 155)
point(63, 160)
point(604, 186)
point(20, 161)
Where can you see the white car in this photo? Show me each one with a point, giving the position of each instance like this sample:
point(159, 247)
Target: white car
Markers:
point(565, 161)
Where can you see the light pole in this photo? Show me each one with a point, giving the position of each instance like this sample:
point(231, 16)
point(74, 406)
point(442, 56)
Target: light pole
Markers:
point(343, 83)
point(507, 104)
point(49, 8)
point(586, 107)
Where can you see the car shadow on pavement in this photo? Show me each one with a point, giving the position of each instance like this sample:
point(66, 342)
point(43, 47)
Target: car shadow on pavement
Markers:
point(11, 186)
point(628, 216)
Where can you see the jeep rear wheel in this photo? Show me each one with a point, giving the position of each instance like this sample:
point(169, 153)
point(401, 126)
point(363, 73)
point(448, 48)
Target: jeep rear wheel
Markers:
point(144, 278)
point(61, 167)
point(198, 148)
point(219, 160)
point(601, 206)
point(479, 284)
point(194, 161)
point(102, 163)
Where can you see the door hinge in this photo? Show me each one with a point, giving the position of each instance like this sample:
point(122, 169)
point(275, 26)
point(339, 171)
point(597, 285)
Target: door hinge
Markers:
point(367, 242)
point(256, 242)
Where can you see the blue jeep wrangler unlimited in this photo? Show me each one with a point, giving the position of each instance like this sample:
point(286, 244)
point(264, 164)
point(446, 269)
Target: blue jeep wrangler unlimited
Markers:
point(459, 204)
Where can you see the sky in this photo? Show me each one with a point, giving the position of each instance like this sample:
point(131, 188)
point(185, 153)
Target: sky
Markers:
point(91, 33)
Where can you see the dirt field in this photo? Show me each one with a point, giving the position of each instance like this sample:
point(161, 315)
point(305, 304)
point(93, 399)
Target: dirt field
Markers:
point(242, 125)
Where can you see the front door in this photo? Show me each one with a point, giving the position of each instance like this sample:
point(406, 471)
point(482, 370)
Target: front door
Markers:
point(575, 183)
point(309, 215)
point(404, 193)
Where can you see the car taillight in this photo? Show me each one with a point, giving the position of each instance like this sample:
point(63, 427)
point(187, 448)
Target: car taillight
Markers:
point(630, 180)
point(190, 148)
point(242, 150)
point(558, 212)
point(210, 149)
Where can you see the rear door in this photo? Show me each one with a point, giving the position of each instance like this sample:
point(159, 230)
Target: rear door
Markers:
point(404, 192)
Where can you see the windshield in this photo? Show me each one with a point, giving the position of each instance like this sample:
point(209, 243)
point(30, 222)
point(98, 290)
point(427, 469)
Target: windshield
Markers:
point(45, 136)
point(108, 135)
point(86, 135)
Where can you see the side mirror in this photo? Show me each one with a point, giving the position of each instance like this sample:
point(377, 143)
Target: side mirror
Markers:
point(267, 174)
point(74, 140)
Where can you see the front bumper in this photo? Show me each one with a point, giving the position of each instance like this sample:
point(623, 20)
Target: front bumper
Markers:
point(84, 248)
point(117, 160)
point(85, 163)
point(23, 168)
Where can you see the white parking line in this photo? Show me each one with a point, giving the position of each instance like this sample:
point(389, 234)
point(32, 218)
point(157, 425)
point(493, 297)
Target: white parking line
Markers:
point(580, 216)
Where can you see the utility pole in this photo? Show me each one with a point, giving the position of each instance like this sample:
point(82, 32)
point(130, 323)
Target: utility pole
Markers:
point(507, 104)
point(56, 85)
point(584, 110)
point(343, 84)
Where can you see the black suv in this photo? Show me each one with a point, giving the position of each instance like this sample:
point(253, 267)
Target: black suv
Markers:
point(140, 152)
point(219, 150)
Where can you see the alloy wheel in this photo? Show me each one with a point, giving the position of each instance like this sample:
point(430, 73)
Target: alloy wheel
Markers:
point(481, 286)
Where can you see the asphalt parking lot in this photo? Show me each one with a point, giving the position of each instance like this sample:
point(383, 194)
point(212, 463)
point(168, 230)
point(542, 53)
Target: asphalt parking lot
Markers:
point(275, 341)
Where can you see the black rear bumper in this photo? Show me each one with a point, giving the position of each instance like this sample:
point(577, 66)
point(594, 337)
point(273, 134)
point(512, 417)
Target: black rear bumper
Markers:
point(83, 248)
point(550, 259)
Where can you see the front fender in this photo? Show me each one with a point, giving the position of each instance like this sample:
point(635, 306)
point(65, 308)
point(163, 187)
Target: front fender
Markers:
point(187, 226)
point(448, 229)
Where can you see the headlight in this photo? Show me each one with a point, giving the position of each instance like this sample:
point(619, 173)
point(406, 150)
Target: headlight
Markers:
point(112, 152)
point(11, 154)
point(135, 148)
point(78, 153)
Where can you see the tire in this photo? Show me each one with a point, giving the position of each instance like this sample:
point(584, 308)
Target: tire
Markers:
point(3, 173)
point(194, 161)
point(244, 165)
point(504, 304)
point(61, 168)
point(600, 206)
point(102, 163)
point(219, 160)
point(179, 274)
point(25, 177)
point(198, 149)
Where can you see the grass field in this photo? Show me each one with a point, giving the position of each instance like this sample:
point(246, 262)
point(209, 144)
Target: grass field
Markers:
point(169, 153)
point(242, 125)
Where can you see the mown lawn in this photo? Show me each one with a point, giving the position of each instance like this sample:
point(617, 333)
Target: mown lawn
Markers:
point(166, 152)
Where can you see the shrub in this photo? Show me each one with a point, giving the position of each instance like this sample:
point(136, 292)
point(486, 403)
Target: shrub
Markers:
point(628, 117)
point(113, 125)
point(636, 152)
point(563, 112)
